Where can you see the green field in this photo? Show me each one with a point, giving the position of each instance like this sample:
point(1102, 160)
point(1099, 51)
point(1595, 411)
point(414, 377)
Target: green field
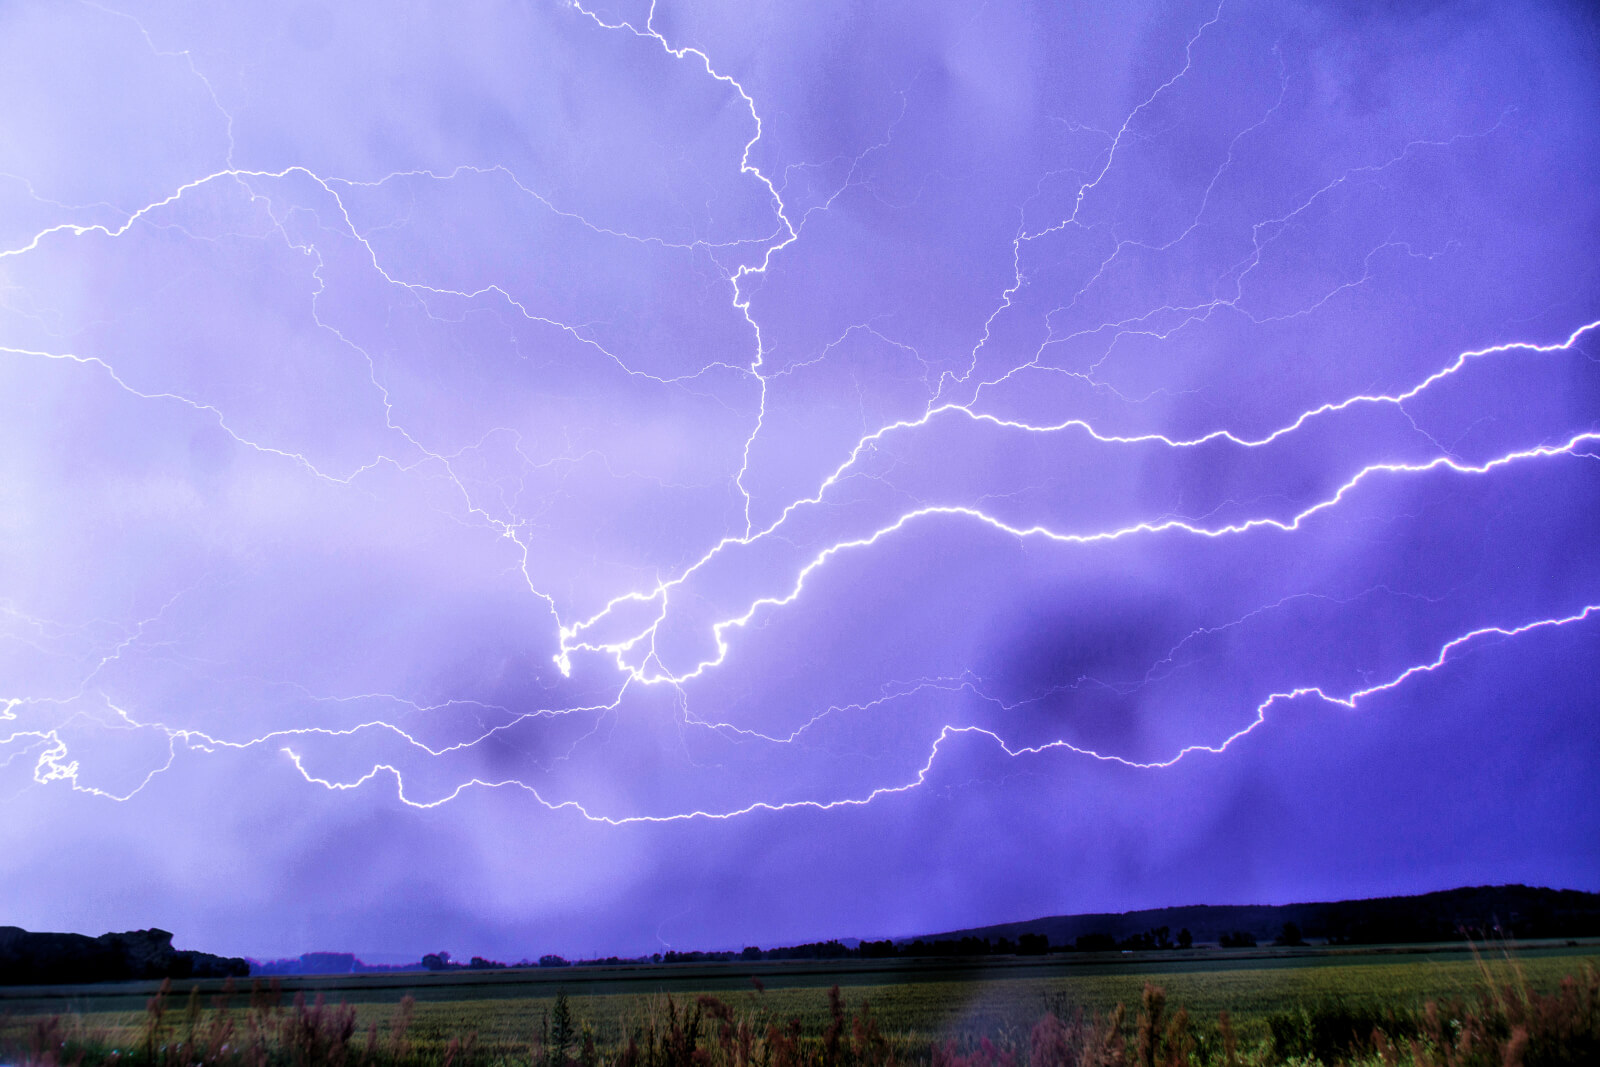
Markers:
point(916, 1003)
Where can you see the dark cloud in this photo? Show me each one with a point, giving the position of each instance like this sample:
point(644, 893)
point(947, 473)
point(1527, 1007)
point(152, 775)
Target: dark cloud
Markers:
point(508, 479)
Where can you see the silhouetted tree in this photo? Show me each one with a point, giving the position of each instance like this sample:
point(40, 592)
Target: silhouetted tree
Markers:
point(559, 1032)
point(1290, 935)
point(1185, 938)
point(1033, 944)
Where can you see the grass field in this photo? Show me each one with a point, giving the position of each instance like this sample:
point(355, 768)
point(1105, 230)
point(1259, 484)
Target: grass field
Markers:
point(917, 1005)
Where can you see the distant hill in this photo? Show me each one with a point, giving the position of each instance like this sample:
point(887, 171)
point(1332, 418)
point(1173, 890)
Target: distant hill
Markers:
point(1509, 910)
point(61, 959)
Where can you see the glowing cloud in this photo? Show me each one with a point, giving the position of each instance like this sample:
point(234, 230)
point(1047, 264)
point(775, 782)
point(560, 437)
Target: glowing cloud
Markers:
point(568, 475)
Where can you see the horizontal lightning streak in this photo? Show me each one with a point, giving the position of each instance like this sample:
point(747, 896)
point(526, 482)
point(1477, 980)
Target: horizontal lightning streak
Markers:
point(618, 649)
point(1349, 700)
point(53, 765)
point(214, 412)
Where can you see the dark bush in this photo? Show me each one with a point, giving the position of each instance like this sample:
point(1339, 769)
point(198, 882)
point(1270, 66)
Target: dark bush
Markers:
point(1335, 1029)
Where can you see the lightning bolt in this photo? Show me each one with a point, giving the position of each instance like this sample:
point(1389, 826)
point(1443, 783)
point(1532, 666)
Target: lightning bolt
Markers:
point(622, 635)
point(1349, 700)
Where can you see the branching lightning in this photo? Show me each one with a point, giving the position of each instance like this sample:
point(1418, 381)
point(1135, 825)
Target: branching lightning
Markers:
point(611, 647)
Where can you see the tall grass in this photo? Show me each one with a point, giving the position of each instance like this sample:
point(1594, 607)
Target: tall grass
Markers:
point(264, 1033)
point(1504, 1024)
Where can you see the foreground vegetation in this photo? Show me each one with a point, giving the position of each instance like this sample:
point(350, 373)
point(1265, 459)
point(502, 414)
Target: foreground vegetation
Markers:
point(1505, 1017)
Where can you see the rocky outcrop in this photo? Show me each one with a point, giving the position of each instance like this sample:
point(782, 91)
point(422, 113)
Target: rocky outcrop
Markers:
point(61, 959)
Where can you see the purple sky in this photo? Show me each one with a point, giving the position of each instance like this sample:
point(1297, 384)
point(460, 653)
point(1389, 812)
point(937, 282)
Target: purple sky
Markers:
point(554, 477)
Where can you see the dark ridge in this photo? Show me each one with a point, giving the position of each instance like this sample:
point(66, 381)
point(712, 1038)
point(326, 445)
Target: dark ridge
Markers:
point(70, 959)
point(1513, 911)
point(1478, 912)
